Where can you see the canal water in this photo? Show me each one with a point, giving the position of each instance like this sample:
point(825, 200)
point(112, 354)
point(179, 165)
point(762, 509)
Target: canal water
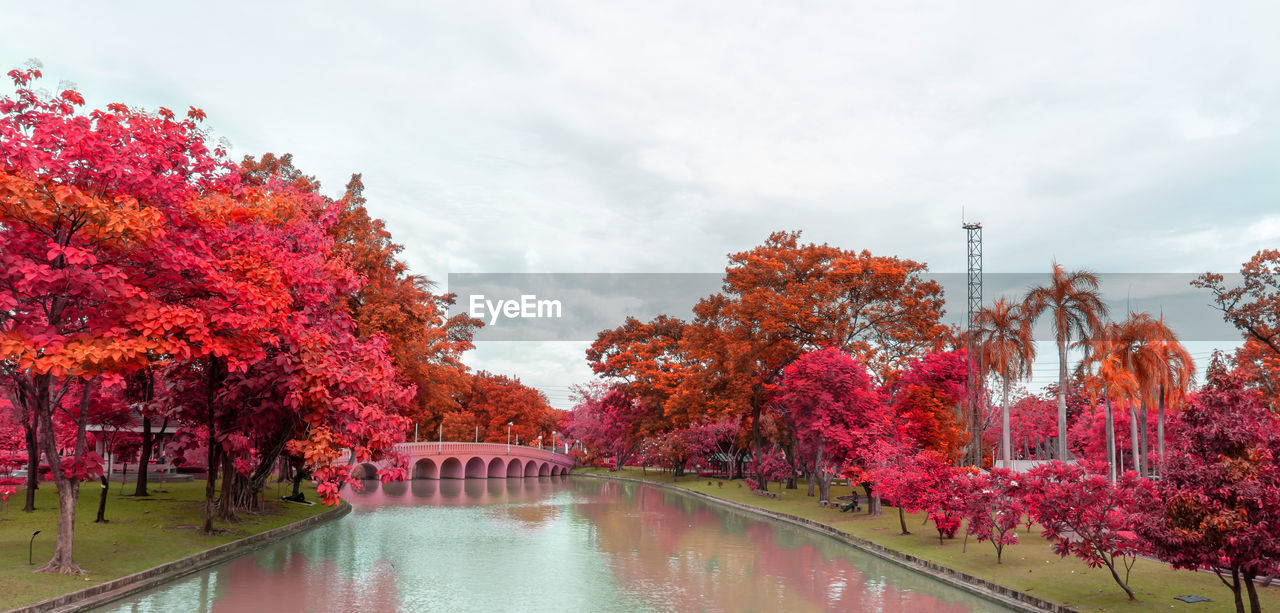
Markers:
point(551, 544)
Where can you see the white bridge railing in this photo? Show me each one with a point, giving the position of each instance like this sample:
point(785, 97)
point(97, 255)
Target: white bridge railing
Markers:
point(433, 449)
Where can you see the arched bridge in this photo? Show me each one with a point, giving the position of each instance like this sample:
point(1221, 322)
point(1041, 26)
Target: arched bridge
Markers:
point(474, 461)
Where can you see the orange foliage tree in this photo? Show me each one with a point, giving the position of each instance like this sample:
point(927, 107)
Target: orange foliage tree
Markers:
point(492, 401)
point(782, 299)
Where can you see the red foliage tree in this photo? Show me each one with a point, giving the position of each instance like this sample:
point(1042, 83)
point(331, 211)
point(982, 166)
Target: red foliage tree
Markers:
point(1221, 487)
point(96, 248)
point(498, 400)
point(928, 399)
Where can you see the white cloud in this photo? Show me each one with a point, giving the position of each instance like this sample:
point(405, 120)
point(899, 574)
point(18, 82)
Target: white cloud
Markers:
point(659, 136)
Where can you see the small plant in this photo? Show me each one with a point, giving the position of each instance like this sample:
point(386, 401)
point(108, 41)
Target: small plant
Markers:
point(5, 492)
point(719, 483)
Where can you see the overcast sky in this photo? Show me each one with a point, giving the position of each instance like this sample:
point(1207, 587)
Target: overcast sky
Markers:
point(660, 136)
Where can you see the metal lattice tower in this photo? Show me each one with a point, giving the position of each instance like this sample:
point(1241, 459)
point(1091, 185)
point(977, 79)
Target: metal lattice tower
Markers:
point(975, 271)
point(974, 230)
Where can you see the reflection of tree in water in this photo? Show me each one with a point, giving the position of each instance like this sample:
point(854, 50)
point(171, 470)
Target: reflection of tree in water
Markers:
point(691, 556)
point(289, 583)
point(530, 516)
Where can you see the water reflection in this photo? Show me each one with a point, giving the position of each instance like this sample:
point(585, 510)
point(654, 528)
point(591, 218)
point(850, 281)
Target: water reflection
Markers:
point(551, 544)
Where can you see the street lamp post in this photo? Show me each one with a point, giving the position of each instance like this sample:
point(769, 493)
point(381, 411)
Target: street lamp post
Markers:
point(508, 438)
point(31, 547)
point(553, 440)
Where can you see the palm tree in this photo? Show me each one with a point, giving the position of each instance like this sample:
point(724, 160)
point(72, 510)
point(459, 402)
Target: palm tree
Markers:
point(1076, 309)
point(1163, 369)
point(1005, 348)
point(1107, 351)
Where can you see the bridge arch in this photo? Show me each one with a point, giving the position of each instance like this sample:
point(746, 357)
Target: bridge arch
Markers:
point(497, 468)
point(451, 468)
point(364, 470)
point(476, 469)
point(515, 468)
point(531, 469)
point(426, 469)
point(555, 471)
point(544, 470)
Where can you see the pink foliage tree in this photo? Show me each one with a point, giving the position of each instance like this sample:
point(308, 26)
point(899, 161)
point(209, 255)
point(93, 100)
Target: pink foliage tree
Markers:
point(835, 411)
point(771, 465)
point(994, 507)
point(607, 421)
point(1083, 514)
point(925, 482)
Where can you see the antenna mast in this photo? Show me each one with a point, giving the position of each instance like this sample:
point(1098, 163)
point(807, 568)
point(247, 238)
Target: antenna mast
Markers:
point(974, 231)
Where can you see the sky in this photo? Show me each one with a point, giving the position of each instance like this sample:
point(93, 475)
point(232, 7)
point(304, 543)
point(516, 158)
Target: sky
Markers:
point(657, 137)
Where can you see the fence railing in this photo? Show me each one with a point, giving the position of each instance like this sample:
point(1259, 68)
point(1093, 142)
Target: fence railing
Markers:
point(438, 448)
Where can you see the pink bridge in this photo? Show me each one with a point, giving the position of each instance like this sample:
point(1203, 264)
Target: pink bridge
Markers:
point(474, 461)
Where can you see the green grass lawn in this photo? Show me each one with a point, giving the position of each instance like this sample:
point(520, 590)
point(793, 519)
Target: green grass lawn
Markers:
point(141, 533)
point(1030, 566)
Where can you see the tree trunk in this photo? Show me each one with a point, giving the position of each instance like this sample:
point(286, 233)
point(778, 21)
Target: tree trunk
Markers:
point(297, 481)
point(1254, 605)
point(808, 476)
point(144, 458)
point(1143, 435)
point(1134, 440)
point(789, 451)
point(102, 502)
point(212, 383)
point(757, 437)
point(824, 487)
point(820, 474)
point(209, 485)
point(873, 500)
point(1235, 590)
point(1111, 437)
point(1062, 399)
point(63, 561)
point(249, 498)
point(1160, 431)
point(1005, 449)
point(145, 395)
point(230, 485)
point(1111, 567)
point(31, 428)
point(902, 520)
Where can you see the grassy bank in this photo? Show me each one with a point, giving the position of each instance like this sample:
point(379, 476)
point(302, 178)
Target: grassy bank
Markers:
point(141, 533)
point(1030, 566)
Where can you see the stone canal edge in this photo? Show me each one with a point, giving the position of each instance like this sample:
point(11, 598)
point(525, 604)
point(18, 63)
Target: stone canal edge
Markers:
point(108, 591)
point(1019, 601)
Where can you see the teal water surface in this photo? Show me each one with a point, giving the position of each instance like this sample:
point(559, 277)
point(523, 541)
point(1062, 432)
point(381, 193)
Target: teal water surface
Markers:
point(551, 544)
